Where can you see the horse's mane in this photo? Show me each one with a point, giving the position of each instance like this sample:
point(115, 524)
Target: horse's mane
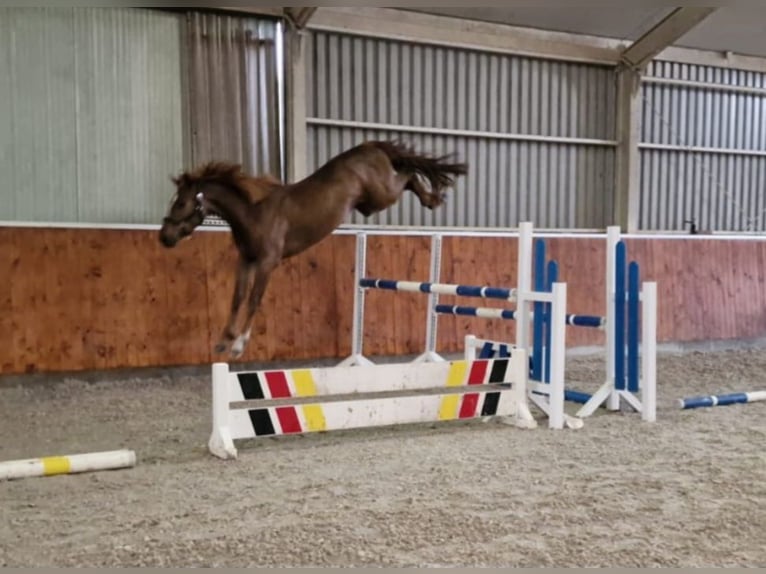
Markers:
point(249, 188)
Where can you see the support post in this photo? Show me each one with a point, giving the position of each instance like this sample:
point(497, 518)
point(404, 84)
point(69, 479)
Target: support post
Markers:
point(295, 95)
point(357, 326)
point(432, 317)
point(649, 352)
point(221, 443)
point(612, 239)
point(469, 348)
point(628, 126)
point(633, 60)
point(557, 352)
point(524, 283)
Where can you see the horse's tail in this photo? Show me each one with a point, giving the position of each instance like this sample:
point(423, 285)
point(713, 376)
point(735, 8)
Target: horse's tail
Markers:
point(439, 171)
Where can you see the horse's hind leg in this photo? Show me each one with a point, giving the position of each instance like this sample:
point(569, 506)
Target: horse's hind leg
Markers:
point(429, 199)
point(380, 195)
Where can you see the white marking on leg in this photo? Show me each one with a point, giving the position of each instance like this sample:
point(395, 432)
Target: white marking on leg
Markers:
point(240, 342)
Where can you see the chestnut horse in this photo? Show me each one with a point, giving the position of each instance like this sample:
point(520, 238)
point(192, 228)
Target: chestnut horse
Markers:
point(270, 222)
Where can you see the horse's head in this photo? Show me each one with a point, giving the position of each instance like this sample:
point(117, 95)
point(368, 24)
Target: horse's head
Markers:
point(185, 213)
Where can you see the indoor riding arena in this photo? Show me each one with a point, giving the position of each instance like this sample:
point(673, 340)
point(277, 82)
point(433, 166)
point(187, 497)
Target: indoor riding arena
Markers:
point(383, 287)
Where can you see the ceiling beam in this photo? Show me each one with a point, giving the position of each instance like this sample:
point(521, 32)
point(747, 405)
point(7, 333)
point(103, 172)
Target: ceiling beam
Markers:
point(257, 10)
point(299, 16)
point(664, 34)
point(451, 32)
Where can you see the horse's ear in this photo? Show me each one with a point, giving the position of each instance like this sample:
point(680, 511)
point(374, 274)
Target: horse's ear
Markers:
point(234, 168)
point(179, 180)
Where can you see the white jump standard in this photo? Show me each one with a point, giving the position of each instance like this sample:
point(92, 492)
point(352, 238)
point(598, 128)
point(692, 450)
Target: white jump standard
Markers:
point(631, 333)
point(631, 308)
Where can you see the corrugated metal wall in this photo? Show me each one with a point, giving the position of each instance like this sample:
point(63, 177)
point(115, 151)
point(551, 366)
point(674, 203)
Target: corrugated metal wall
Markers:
point(90, 113)
point(537, 134)
point(703, 148)
point(233, 91)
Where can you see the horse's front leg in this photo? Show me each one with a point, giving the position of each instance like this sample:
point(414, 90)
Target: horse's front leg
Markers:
point(229, 334)
point(262, 276)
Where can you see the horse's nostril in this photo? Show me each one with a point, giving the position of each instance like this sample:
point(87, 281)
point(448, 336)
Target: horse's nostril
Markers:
point(165, 240)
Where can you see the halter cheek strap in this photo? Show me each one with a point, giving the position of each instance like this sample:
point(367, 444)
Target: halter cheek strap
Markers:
point(200, 206)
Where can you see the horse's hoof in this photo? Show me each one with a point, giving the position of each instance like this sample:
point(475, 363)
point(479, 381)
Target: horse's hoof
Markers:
point(236, 353)
point(220, 348)
point(436, 201)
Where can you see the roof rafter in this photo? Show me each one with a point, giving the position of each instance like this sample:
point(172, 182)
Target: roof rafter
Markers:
point(299, 16)
point(671, 28)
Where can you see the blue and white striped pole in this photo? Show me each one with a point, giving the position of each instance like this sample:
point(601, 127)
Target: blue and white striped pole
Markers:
point(483, 312)
point(440, 288)
point(513, 315)
point(721, 400)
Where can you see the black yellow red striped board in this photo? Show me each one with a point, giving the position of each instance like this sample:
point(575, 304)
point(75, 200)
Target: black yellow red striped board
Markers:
point(259, 403)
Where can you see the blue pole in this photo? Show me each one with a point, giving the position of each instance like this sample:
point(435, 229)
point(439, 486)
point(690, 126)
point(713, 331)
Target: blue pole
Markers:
point(486, 351)
point(537, 319)
point(576, 396)
point(586, 321)
point(553, 276)
point(619, 318)
point(721, 400)
point(633, 323)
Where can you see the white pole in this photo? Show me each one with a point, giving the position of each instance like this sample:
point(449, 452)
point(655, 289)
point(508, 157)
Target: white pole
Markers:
point(524, 284)
point(470, 348)
point(357, 326)
point(359, 272)
point(432, 317)
point(612, 239)
point(221, 443)
point(649, 352)
point(68, 464)
point(558, 351)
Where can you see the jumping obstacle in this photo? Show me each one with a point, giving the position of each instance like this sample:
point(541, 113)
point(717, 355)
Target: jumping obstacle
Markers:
point(622, 322)
point(721, 400)
point(268, 403)
point(625, 296)
point(549, 399)
point(69, 464)
point(613, 323)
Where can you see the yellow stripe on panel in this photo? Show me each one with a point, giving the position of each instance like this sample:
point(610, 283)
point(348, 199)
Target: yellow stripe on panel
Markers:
point(448, 408)
point(314, 416)
point(456, 375)
point(304, 383)
point(305, 387)
point(455, 378)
